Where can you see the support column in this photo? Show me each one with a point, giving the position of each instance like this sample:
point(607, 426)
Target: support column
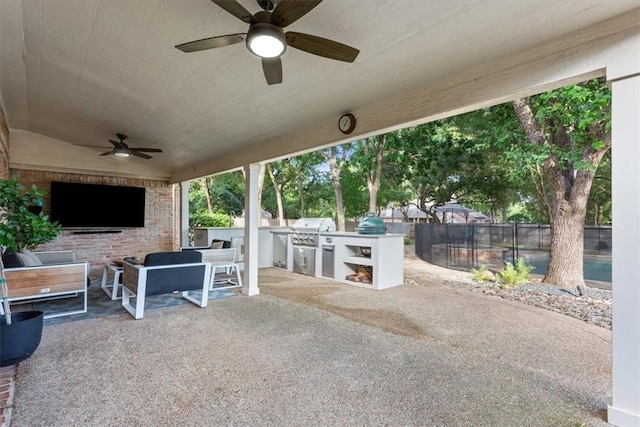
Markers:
point(250, 285)
point(624, 409)
point(184, 213)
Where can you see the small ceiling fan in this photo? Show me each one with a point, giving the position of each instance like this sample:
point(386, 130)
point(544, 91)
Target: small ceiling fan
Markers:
point(121, 149)
point(266, 38)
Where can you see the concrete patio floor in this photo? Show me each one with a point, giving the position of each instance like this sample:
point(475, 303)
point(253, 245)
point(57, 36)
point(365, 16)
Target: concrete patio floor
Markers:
point(310, 351)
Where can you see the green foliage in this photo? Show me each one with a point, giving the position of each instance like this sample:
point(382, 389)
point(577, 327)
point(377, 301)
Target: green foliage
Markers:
point(226, 192)
point(205, 219)
point(514, 275)
point(19, 227)
point(482, 274)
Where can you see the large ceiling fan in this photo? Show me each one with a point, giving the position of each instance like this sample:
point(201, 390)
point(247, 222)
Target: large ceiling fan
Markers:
point(266, 38)
point(121, 149)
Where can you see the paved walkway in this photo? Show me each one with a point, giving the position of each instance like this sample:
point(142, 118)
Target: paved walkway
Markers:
point(309, 351)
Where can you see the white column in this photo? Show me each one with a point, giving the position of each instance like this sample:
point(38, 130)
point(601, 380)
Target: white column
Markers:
point(250, 286)
point(184, 213)
point(624, 409)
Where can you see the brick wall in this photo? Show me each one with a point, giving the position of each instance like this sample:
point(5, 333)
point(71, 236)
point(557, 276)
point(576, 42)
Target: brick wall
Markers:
point(157, 235)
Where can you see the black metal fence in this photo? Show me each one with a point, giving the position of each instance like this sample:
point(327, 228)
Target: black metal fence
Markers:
point(463, 246)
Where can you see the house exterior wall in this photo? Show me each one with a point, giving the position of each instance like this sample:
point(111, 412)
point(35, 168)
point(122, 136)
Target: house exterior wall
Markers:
point(157, 235)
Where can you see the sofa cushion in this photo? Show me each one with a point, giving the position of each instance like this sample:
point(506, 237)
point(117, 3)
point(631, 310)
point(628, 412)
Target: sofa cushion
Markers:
point(26, 261)
point(32, 256)
point(167, 258)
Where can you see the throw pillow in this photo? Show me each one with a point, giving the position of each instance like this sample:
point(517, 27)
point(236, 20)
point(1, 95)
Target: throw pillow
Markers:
point(27, 261)
point(217, 244)
point(32, 256)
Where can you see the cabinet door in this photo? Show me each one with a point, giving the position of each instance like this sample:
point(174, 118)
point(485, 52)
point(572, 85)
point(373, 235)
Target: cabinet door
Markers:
point(304, 260)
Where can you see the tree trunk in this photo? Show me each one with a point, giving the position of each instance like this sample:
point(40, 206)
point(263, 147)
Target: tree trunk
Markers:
point(207, 193)
point(374, 146)
point(276, 188)
point(336, 167)
point(567, 243)
point(300, 186)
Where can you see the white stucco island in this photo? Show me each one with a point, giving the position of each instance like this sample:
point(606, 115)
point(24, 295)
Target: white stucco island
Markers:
point(380, 254)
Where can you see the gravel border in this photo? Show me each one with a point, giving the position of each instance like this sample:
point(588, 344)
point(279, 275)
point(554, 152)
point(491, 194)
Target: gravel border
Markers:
point(593, 307)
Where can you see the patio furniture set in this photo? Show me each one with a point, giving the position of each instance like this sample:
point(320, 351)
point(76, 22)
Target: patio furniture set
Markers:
point(193, 272)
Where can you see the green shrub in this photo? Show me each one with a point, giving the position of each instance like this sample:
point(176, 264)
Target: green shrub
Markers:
point(515, 275)
point(482, 274)
point(205, 219)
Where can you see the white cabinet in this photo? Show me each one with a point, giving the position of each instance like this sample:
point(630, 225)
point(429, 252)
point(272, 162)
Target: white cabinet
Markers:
point(383, 255)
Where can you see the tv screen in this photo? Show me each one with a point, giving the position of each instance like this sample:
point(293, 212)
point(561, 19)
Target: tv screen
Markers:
point(76, 205)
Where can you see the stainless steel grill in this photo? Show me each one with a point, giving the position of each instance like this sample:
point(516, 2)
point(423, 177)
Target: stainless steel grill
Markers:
point(304, 239)
point(306, 231)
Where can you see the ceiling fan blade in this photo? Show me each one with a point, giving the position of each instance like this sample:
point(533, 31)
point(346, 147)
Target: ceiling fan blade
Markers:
point(118, 144)
point(146, 150)
point(272, 68)
point(322, 47)
point(289, 11)
point(91, 146)
point(236, 9)
point(137, 154)
point(107, 153)
point(212, 42)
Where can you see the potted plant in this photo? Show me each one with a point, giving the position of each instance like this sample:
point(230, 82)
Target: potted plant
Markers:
point(20, 228)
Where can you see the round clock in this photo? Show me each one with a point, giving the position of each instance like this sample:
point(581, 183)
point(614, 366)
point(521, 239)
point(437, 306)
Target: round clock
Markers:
point(347, 123)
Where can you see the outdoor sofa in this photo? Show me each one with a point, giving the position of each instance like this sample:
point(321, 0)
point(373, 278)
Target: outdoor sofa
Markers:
point(164, 273)
point(37, 276)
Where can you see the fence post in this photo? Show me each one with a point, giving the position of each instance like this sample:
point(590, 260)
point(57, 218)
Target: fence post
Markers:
point(514, 229)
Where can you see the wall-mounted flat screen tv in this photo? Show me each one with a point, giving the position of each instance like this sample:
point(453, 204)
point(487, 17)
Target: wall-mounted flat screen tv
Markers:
point(76, 205)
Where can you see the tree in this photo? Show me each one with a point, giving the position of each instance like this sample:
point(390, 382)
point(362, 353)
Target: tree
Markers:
point(336, 157)
point(444, 159)
point(572, 127)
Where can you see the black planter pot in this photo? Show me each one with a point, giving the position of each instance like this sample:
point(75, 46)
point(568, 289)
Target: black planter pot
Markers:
point(20, 339)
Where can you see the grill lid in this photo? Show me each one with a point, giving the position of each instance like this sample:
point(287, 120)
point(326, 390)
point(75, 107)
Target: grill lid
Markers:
point(314, 225)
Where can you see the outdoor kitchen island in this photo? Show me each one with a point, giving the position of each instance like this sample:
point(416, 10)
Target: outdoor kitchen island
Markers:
point(377, 256)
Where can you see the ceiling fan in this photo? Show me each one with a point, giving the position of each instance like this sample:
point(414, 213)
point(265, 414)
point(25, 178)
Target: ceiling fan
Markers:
point(121, 149)
point(266, 38)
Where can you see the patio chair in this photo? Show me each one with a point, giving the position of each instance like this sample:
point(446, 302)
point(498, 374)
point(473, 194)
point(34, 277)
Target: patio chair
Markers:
point(225, 273)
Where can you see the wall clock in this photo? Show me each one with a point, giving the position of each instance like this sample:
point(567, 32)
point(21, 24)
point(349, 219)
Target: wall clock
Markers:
point(347, 123)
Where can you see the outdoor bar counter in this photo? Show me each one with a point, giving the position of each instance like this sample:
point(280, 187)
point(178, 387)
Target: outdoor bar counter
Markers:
point(377, 259)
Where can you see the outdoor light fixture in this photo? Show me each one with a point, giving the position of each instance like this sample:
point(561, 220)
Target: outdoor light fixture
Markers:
point(266, 40)
point(121, 152)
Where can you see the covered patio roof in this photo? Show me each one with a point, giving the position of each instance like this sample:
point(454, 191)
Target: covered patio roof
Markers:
point(77, 72)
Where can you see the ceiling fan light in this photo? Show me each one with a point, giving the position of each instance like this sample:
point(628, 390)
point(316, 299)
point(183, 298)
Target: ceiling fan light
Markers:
point(266, 40)
point(121, 152)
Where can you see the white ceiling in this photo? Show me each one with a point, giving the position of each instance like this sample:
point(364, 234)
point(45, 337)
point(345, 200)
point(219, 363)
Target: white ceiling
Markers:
point(81, 70)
